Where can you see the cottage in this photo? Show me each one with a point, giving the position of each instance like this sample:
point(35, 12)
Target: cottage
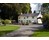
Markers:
point(28, 18)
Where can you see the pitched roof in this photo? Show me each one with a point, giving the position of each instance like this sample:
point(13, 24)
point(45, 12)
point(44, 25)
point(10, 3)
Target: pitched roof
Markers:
point(40, 15)
point(34, 14)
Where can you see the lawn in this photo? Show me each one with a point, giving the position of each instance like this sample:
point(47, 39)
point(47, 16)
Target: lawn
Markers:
point(41, 33)
point(6, 29)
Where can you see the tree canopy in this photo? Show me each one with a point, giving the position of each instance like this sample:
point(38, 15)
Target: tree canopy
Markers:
point(45, 7)
point(12, 10)
point(45, 4)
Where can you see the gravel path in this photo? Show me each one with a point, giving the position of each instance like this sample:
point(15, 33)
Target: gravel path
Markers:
point(24, 31)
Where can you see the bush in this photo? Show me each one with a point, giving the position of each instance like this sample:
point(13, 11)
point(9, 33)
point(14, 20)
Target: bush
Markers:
point(46, 20)
point(7, 21)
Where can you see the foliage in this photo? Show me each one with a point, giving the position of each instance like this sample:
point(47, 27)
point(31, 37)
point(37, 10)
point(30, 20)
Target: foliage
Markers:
point(7, 21)
point(12, 10)
point(45, 17)
point(45, 7)
point(2, 21)
point(45, 4)
point(46, 20)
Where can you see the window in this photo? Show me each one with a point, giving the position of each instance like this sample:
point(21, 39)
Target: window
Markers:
point(32, 17)
point(21, 21)
point(29, 21)
point(27, 16)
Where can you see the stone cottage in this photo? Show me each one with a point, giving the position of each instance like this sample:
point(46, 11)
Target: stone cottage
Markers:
point(29, 18)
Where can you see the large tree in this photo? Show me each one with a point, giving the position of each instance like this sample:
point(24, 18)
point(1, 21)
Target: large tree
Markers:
point(12, 10)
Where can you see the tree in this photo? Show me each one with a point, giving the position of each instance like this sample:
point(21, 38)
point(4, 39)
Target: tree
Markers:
point(45, 4)
point(45, 7)
point(46, 21)
point(26, 8)
point(12, 10)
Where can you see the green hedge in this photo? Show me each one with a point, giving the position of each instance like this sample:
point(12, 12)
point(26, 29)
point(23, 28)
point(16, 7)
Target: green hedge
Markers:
point(7, 21)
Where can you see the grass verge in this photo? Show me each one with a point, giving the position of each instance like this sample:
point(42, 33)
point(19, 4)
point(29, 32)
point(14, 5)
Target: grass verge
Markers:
point(41, 33)
point(7, 29)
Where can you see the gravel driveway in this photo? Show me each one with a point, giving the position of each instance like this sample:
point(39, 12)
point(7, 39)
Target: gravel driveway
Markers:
point(24, 31)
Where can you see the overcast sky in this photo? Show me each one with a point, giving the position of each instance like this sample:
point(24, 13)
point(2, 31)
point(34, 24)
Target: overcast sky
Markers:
point(35, 6)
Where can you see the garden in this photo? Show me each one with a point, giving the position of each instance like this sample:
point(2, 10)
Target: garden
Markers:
point(6, 27)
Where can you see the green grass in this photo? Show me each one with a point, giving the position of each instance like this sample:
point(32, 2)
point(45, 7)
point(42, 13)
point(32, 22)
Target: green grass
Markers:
point(41, 33)
point(7, 29)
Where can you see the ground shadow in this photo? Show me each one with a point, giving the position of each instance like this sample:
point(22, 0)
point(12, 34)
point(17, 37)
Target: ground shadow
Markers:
point(2, 33)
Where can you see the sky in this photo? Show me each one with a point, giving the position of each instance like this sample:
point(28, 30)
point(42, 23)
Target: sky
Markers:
point(35, 6)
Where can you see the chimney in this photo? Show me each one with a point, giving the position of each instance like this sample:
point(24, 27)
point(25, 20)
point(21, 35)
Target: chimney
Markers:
point(21, 13)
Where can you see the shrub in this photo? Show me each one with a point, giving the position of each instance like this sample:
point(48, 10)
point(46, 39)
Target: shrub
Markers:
point(7, 21)
point(46, 20)
point(2, 20)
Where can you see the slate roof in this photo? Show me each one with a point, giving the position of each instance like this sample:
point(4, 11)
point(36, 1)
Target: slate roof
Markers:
point(30, 14)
